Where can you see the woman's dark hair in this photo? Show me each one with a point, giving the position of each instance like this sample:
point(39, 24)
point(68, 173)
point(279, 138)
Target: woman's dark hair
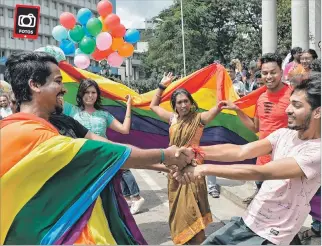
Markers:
point(83, 86)
point(271, 57)
point(312, 52)
point(294, 51)
point(312, 88)
point(23, 66)
point(185, 92)
point(316, 65)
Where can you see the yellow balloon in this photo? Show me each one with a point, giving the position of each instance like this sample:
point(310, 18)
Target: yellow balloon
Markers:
point(104, 28)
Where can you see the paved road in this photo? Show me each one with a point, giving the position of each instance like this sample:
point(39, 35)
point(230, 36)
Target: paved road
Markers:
point(153, 220)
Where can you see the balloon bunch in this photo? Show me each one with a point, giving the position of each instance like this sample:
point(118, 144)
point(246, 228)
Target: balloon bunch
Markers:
point(97, 38)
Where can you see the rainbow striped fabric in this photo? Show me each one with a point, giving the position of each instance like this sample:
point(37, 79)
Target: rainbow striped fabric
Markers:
point(208, 86)
point(59, 190)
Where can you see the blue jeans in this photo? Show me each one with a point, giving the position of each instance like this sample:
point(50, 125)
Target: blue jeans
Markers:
point(212, 183)
point(129, 186)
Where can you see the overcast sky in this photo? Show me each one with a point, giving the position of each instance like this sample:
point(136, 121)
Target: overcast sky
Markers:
point(133, 12)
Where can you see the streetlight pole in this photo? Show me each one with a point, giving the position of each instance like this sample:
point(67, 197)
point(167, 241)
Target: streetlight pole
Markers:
point(183, 47)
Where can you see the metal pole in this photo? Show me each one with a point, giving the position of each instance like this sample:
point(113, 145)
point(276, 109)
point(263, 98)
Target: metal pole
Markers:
point(183, 47)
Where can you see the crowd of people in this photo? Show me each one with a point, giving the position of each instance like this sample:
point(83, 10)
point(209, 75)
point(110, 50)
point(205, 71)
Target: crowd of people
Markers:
point(287, 119)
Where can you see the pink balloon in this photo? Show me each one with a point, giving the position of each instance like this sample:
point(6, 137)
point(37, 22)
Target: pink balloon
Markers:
point(103, 41)
point(115, 60)
point(82, 61)
point(67, 20)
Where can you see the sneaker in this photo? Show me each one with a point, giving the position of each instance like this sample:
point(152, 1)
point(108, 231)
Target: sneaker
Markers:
point(215, 194)
point(137, 205)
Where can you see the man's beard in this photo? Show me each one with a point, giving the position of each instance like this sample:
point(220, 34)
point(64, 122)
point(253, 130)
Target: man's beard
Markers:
point(304, 126)
point(58, 110)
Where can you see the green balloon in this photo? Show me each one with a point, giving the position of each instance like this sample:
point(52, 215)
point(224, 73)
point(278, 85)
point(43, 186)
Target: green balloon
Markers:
point(77, 33)
point(94, 26)
point(87, 45)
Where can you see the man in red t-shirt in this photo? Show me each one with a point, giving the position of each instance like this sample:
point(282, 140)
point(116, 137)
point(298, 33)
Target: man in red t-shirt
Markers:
point(271, 105)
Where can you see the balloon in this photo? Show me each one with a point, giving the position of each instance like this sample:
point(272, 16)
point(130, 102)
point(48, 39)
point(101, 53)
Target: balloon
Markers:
point(87, 45)
point(117, 43)
point(87, 34)
point(115, 60)
point(126, 50)
point(104, 8)
point(99, 55)
point(76, 34)
point(103, 41)
point(111, 20)
point(132, 36)
point(82, 61)
point(94, 26)
point(78, 51)
point(59, 33)
point(118, 31)
point(104, 28)
point(67, 20)
point(84, 15)
point(54, 51)
point(67, 46)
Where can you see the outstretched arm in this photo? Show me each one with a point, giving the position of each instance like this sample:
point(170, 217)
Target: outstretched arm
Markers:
point(154, 105)
point(232, 152)
point(208, 116)
point(280, 169)
point(252, 125)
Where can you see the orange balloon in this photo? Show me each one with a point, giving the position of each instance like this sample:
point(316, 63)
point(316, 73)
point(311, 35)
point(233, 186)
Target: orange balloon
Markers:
point(99, 55)
point(104, 28)
point(126, 50)
point(117, 43)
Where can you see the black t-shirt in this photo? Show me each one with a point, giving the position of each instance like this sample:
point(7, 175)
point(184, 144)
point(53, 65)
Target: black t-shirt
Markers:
point(67, 126)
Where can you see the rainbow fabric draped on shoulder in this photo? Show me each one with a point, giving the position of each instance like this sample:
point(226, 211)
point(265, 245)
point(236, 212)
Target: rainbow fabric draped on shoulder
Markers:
point(58, 190)
point(208, 86)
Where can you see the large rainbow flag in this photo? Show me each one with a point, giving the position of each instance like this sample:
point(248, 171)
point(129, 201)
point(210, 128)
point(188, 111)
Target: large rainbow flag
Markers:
point(208, 86)
point(59, 190)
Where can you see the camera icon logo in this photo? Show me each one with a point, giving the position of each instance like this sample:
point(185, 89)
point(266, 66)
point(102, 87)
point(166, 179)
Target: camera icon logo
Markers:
point(27, 20)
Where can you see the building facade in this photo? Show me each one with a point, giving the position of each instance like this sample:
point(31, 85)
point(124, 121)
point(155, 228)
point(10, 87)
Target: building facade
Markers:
point(306, 25)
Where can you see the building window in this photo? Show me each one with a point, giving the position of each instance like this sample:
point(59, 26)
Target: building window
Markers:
point(1, 11)
point(37, 2)
point(69, 8)
point(46, 20)
point(46, 3)
point(55, 22)
point(40, 39)
point(60, 7)
point(46, 40)
point(11, 34)
point(10, 13)
point(55, 5)
point(1, 32)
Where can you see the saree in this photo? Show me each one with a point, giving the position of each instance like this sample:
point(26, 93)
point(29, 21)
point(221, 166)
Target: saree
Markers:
point(189, 208)
point(58, 190)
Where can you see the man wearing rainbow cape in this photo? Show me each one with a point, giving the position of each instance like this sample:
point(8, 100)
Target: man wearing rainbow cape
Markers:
point(55, 189)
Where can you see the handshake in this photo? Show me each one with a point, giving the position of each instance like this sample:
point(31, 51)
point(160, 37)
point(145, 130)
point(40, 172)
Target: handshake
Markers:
point(182, 164)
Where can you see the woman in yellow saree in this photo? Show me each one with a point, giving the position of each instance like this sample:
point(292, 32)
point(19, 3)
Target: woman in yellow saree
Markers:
point(189, 208)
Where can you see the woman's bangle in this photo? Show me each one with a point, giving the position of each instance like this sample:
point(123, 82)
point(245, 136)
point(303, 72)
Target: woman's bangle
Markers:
point(128, 116)
point(162, 87)
point(158, 95)
point(162, 156)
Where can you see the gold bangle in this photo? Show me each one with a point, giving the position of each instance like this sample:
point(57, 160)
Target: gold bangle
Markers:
point(128, 116)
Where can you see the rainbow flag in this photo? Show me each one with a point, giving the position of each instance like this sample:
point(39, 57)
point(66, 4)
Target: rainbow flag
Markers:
point(59, 190)
point(208, 86)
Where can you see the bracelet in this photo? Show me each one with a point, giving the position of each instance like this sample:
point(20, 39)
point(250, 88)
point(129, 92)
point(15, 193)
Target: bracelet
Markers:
point(162, 87)
point(128, 116)
point(162, 156)
point(158, 95)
